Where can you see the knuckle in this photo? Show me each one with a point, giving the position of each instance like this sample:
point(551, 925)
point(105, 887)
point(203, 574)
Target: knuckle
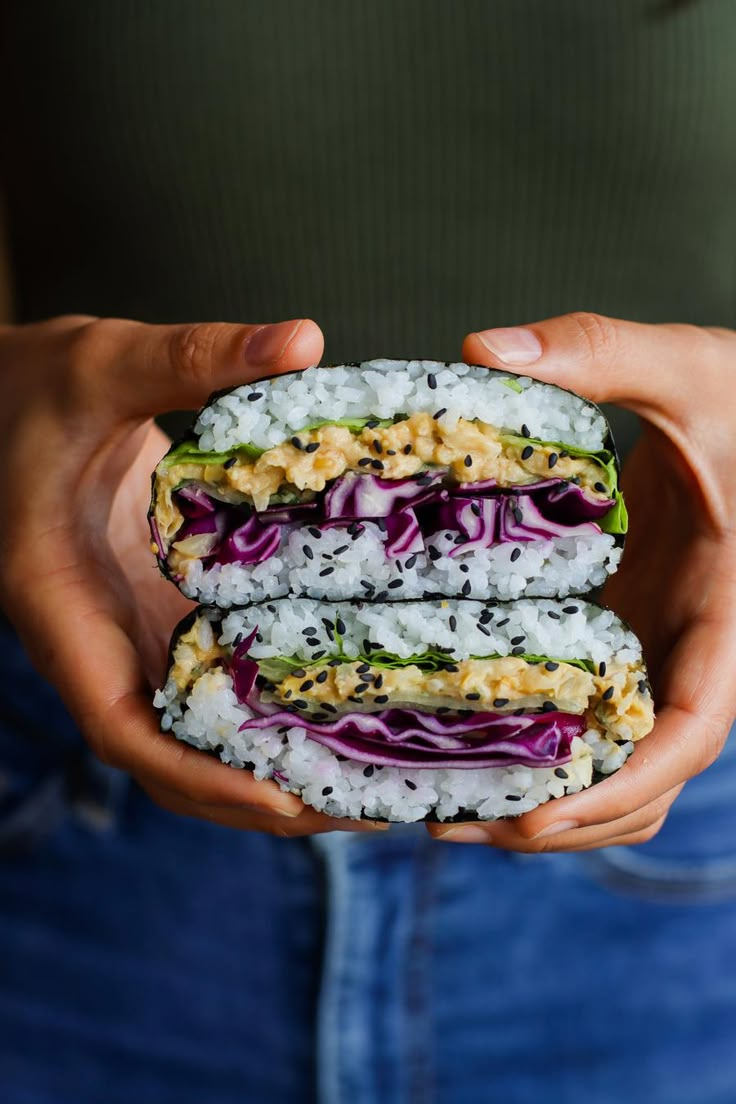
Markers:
point(644, 835)
point(88, 347)
point(192, 352)
point(597, 334)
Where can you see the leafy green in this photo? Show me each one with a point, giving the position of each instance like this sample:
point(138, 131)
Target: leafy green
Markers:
point(188, 453)
point(513, 384)
point(355, 425)
point(279, 668)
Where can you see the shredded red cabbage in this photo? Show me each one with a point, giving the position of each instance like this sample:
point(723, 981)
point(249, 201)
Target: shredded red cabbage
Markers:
point(413, 509)
point(400, 736)
point(242, 669)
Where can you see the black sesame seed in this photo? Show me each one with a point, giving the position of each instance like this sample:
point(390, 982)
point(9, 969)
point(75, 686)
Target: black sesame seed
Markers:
point(343, 548)
point(300, 703)
point(411, 561)
point(432, 381)
point(287, 693)
point(410, 785)
point(475, 509)
point(326, 571)
point(518, 639)
point(363, 668)
point(451, 668)
point(377, 464)
point(270, 608)
point(434, 553)
point(318, 655)
point(390, 452)
point(486, 616)
point(483, 629)
point(465, 589)
point(312, 447)
point(238, 640)
point(525, 431)
point(313, 642)
point(371, 423)
point(334, 663)
point(340, 626)
point(377, 445)
point(368, 771)
point(564, 454)
point(439, 413)
point(381, 523)
point(515, 555)
point(299, 673)
point(518, 712)
point(424, 478)
point(453, 622)
point(379, 682)
point(551, 666)
point(642, 686)
point(259, 638)
point(329, 707)
point(307, 551)
point(307, 685)
point(560, 772)
point(464, 568)
point(407, 450)
point(354, 698)
point(549, 707)
point(600, 487)
point(513, 797)
point(231, 462)
point(552, 459)
point(518, 515)
point(500, 702)
point(602, 668)
point(309, 631)
point(365, 461)
point(468, 461)
point(395, 583)
point(442, 709)
point(361, 687)
point(608, 694)
point(319, 717)
point(296, 442)
point(255, 395)
point(461, 538)
point(327, 791)
point(555, 616)
point(576, 480)
point(381, 596)
point(519, 650)
point(500, 624)
point(526, 452)
point(321, 677)
point(472, 697)
point(569, 609)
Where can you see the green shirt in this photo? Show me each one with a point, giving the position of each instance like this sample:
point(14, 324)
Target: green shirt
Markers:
point(402, 171)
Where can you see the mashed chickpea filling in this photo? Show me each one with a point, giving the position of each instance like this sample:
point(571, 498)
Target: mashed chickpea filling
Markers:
point(301, 467)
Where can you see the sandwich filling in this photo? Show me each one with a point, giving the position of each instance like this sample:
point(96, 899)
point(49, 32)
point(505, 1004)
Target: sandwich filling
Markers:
point(419, 475)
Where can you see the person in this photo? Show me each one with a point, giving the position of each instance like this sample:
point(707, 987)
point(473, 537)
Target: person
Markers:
point(405, 174)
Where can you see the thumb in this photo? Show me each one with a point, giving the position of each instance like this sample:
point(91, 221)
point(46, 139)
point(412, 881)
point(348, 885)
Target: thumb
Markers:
point(658, 371)
point(152, 369)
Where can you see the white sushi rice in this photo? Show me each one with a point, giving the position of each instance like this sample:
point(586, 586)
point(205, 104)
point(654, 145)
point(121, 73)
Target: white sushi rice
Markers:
point(209, 716)
point(569, 565)
point(263, 414)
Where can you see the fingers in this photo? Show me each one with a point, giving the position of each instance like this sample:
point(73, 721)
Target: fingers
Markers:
point(307, 823)
point(637, 827)
point(151, 369)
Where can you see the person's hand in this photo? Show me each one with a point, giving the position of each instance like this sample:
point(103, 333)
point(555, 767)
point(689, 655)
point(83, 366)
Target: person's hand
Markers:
point(77, 576)
point(677, 582)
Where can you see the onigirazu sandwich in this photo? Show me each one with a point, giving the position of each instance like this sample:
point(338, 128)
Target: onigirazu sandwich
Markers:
point(390, 480)
point(412, 710)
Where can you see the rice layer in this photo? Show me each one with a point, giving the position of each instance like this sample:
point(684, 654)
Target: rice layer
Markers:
point(263, 414)
point(337, 566)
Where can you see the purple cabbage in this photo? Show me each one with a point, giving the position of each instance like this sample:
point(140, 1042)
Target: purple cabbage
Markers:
point(251, 543)
point(243, 670)
point(475, 519)
point(356, 496)
point(408, 737)
point(520, 519)
point(403, 535)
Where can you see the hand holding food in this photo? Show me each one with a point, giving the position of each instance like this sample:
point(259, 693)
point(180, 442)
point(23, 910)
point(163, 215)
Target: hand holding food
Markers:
point(76, 574)
point(677, 581)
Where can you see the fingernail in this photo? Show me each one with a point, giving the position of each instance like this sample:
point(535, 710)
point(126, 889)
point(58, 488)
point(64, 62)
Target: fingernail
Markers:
point(464, 835)
point(270, 342)
point(512, 345)
point(366, 826)
point(556, 828)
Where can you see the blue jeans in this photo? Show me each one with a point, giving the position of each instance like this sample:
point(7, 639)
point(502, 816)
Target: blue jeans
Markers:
point(160, 960)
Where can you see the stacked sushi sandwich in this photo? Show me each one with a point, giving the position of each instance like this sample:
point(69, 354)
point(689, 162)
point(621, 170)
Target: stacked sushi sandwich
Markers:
point(388, 630)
